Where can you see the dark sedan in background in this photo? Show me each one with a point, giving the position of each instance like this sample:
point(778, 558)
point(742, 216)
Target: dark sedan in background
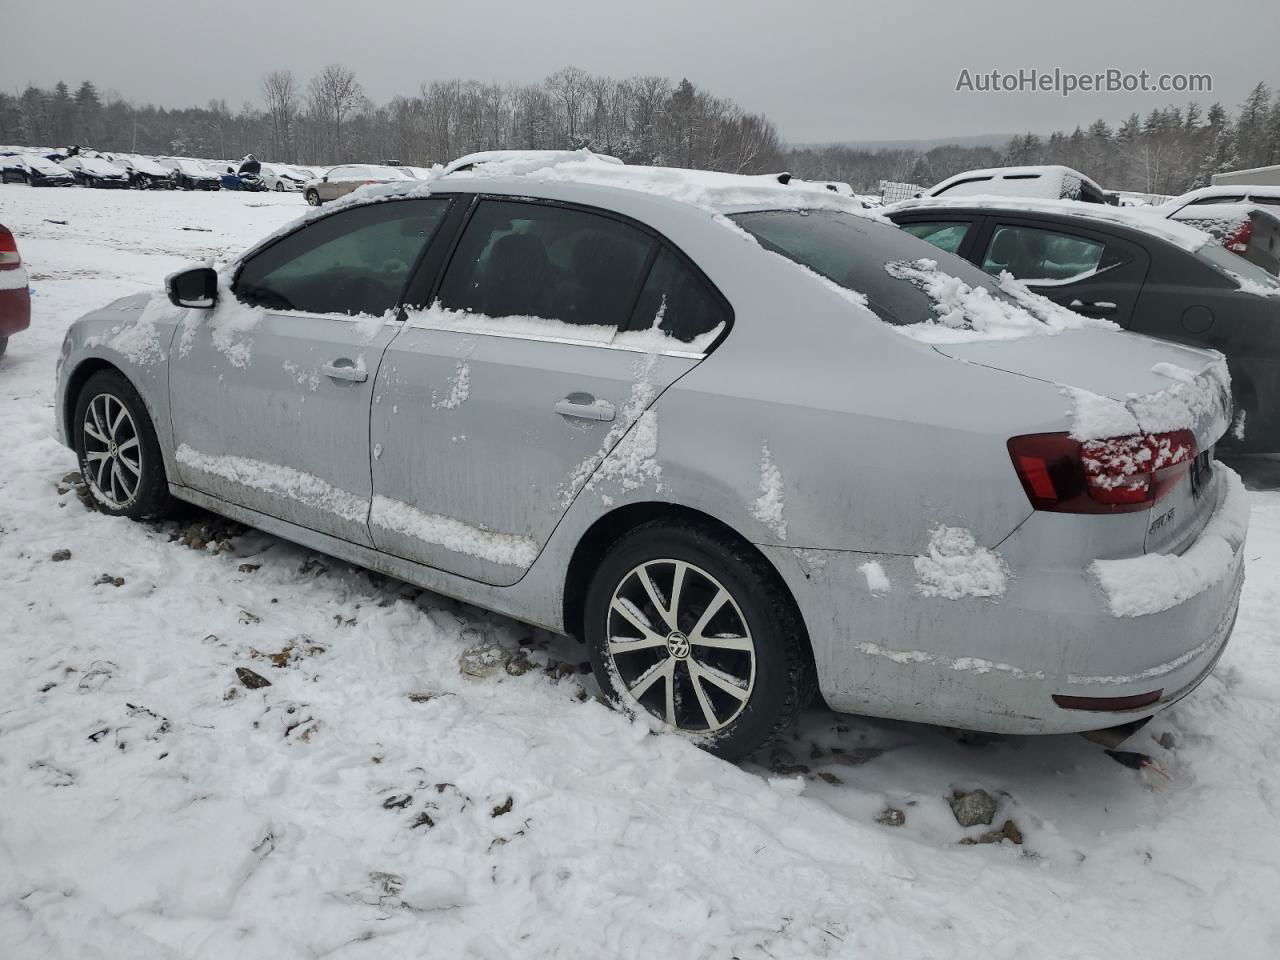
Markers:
point(1146, 273)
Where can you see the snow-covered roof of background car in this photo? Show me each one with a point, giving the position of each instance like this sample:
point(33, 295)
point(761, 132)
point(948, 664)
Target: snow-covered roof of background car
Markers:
point(1143, 219)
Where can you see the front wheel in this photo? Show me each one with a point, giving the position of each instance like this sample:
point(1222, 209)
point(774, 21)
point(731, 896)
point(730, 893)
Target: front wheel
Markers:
point(117, 448)
point(313, 198)
point(685, 624)
point(279, 187)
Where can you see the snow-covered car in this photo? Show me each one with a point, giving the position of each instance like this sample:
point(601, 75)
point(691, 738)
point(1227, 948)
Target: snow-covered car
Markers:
point(341, 180)
point(191, 174)
point(1244, 219)
point(1148, 274)
point(1048, 182)
point(96, 172)
point(15, 296)
point(144, 173)
point(38, 172)
point(284, 179)
point(742, 438)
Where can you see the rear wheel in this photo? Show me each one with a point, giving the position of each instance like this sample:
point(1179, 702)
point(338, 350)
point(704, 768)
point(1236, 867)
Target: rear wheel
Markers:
point(313, 198)
point(684, 624)
point(279, 187)
point(117, 448)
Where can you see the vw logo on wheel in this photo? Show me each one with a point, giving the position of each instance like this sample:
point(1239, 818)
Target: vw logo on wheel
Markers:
point(678, 645)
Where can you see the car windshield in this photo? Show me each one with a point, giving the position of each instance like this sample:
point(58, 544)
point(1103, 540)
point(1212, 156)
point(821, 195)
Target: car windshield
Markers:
point(853, 251)
point(1246, 274)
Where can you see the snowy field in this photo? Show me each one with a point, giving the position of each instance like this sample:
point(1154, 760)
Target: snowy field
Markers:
point(376, 801)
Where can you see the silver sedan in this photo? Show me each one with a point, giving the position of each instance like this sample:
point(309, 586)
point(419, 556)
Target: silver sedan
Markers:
point(742, 438)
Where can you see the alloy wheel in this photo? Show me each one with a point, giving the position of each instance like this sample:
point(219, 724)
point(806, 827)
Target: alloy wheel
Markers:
point(680, 646)
point(112, 451)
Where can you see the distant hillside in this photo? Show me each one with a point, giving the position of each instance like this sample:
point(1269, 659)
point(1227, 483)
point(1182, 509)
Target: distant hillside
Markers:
point(998, 140)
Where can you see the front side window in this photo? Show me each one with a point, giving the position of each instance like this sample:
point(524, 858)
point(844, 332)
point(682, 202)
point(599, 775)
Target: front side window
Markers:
point(354, 262)
point(944, 236)
point(519, 259)
point(1034, 255)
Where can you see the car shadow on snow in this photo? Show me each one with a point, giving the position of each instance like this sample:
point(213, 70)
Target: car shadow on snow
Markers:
point(1259, 471)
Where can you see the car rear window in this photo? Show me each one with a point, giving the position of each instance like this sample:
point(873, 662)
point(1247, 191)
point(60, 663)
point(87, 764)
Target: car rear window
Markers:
point(852, 251)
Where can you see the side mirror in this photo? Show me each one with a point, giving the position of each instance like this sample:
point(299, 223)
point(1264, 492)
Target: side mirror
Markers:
point(325, 178)
point(196, 288)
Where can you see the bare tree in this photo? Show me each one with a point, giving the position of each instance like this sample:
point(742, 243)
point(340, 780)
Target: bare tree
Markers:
point(281, 92)
point(334, 94)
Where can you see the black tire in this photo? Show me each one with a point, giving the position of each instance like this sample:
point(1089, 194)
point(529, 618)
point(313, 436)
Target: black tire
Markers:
point(313, 198)
point(279, 187)
point(4, 345)
point(782, 679)
point(150, 498)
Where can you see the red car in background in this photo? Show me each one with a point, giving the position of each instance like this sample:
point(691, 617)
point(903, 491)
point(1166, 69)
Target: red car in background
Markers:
point(15, 298)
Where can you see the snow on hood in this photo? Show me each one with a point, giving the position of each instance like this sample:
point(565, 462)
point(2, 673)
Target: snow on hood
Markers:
point(1145, 219)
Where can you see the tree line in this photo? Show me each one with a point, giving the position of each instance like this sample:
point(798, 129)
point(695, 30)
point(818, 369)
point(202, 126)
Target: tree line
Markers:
point(329, 119)
point(648, 119)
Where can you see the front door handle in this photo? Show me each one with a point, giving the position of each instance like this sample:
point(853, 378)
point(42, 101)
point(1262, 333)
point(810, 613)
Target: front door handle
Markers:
point(584, 406)
point(345, 369)
point(1099, 308)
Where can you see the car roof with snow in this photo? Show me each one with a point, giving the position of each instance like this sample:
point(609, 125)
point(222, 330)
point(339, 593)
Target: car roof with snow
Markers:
point(1143, 219)
point(1223, 190)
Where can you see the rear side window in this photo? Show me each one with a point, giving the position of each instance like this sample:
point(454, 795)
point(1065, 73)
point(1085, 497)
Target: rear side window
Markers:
point(1034, 255)
point(944, 236)
point(966, 187)
point(518, 259)
point(353, 262)
point(677, 302)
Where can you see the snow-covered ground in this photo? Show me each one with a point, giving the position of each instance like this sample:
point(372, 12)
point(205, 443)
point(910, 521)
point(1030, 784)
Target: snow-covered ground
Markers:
point(375, 800)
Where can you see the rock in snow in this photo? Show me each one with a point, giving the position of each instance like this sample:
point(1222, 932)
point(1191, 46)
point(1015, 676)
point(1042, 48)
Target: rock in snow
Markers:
point(972, 807)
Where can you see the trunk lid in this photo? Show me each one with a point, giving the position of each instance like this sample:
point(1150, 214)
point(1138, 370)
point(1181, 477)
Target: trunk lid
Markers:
point(1164, 387)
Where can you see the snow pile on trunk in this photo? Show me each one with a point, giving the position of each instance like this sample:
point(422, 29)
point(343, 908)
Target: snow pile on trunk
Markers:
point(1158, 581)
point(507, 549)
point(277, 480)
point(769, 506)
point(956, 567)
point(967, 313)
point(1193, 401)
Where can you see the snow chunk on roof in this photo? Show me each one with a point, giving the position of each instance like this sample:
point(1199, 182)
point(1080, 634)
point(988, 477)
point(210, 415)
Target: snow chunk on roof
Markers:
point(1159, 581)
point(715, 192)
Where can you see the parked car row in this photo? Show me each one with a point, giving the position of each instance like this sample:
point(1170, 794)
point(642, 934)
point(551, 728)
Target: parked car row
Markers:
point(841, 457)
point(115, 170)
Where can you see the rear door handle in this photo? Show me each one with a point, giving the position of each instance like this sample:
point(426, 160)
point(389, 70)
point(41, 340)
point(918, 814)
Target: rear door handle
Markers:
point(344, 369)
point(584, 406)
point(1099, 308)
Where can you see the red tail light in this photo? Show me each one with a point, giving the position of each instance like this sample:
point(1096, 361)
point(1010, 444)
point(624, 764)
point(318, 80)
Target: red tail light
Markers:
point(9, 259)
point(1238, 242)
point(1116, 475)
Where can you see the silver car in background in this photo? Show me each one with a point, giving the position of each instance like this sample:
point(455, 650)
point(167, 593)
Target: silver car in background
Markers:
point(341, 180)
point(741, 437)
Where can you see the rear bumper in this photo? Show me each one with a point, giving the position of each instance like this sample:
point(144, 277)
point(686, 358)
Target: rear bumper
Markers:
point(15, 311)
point(996, 664)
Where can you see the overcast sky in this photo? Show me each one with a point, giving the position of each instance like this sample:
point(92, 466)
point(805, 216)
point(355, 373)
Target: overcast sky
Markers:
point(822, 71)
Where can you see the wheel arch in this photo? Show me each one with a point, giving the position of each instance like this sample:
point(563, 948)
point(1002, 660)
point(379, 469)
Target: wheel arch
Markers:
point(606, 529)
point(75, 383)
